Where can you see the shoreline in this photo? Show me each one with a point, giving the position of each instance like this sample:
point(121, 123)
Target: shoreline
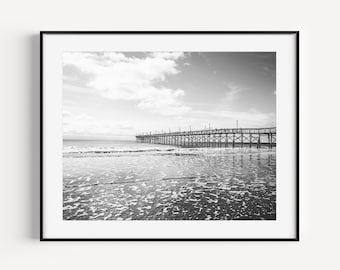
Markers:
point(171, 152)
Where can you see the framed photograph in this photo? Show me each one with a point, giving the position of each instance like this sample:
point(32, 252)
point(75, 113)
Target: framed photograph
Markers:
point(170, 136)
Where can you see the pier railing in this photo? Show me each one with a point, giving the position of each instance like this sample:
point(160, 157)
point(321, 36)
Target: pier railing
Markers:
point(225, 137)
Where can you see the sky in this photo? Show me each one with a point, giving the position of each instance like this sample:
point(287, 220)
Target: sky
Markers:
point(116, 95)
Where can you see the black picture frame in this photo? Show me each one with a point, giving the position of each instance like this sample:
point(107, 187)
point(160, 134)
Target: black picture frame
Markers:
point(297, 223)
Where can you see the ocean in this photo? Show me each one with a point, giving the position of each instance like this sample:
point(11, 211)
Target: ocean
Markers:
point(125, 180)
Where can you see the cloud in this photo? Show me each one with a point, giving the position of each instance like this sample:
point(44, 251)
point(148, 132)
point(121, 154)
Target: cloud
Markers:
point(74, 76)
point(66, 118)
point(164, 101)
point(118, 77)
point(205, 58)
point(168, 55)
point(226, 118)
point(85, 125)
point(233, 92)
point(269, 70)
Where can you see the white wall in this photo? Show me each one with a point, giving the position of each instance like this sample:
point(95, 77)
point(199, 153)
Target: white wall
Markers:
point(20, 22)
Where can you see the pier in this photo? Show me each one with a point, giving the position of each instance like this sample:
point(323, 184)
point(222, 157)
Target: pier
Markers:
point(225, 137)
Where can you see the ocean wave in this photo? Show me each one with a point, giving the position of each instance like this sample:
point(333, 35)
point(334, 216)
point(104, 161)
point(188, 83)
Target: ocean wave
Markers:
point(109, 151)
point(133, 181)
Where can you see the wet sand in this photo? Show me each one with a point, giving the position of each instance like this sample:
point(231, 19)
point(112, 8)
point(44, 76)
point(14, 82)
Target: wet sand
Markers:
point(235, 184)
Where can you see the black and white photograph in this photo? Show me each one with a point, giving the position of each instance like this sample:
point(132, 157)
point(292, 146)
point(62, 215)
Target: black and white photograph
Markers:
point(173, 135)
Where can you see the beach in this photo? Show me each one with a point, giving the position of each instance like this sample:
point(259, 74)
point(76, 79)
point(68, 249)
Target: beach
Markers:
point(124, 180)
